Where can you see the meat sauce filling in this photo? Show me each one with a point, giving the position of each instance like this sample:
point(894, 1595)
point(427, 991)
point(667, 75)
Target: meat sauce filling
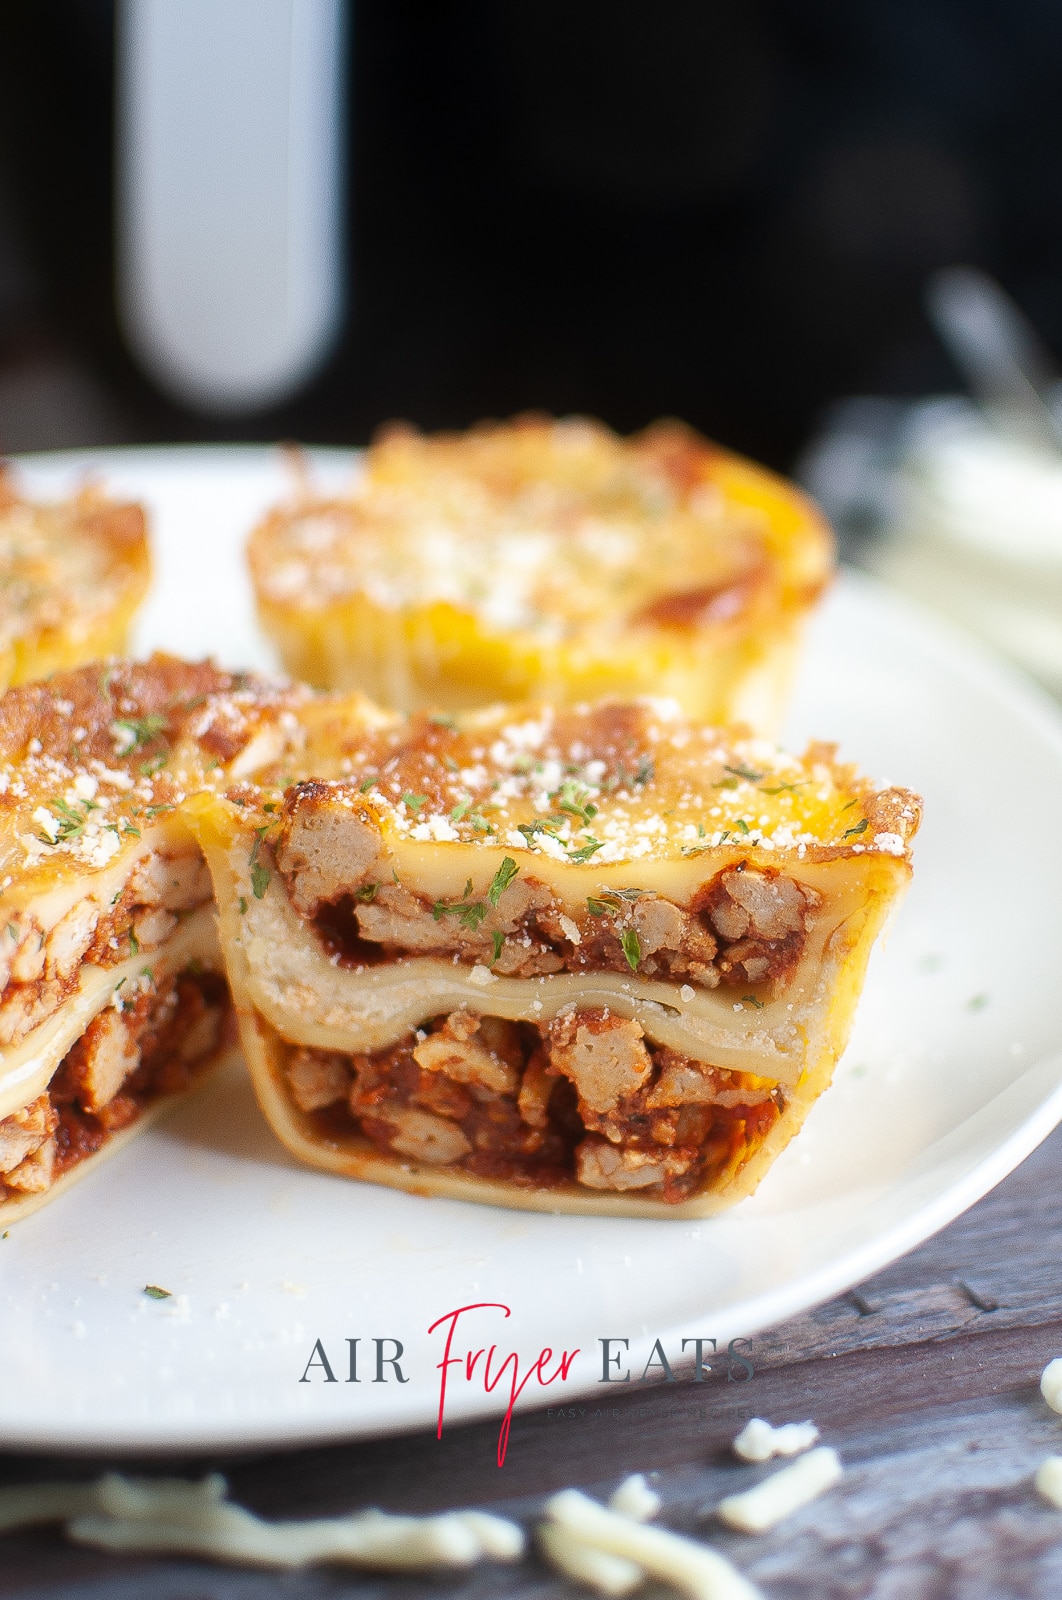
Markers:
point(153, 1046)
point(587, 1097)
point(744, 928)
point(40, 968)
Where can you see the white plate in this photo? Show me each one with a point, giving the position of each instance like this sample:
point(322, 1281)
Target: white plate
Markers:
point(952, 1077)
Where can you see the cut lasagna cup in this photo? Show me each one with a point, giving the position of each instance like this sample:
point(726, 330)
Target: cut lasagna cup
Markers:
point(112, 989)
point(591, 960)
point(547, 560)
point(72, 575)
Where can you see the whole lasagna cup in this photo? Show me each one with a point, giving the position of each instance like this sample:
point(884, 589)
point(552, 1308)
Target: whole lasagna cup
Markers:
point(591, 960)
point(547, 560)
point(72, 575)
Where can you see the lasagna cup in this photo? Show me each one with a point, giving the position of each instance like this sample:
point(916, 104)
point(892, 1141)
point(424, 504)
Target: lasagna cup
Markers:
point(593, 960)
point(72, 575)
point(553, 560)
point(112, 990)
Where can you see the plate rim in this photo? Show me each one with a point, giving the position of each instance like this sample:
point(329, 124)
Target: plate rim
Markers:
point(950, 644)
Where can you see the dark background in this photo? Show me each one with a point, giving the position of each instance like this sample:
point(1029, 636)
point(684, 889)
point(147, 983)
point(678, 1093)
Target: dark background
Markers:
point(721, 209)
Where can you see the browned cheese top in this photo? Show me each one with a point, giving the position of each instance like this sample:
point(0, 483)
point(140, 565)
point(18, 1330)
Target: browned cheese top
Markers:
point(90, 758)
point(66, 565)
point(605, 783)
point(553, 527)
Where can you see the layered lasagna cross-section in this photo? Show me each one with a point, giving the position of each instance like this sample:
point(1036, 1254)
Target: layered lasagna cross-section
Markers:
point(545, 559)
point(600, 959)
point(112, 988)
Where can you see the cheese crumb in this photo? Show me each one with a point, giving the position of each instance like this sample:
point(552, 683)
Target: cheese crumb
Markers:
point(758, 1441)
point(1051, 1384)
point(777, 1497)
point(1049, 1479)
point(481, 976)
point(687, 992)
point(635, 1499)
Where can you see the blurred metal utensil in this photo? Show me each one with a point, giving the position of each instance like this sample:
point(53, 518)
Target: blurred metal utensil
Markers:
point(998, 352)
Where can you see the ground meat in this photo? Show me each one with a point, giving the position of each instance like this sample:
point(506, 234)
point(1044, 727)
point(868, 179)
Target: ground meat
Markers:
point(746, 928)
point(587, 1098)
point(39, 970)
point(126, 1059)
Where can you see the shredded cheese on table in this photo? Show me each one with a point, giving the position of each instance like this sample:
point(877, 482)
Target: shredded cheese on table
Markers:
point(692, 1569)
point(635, 1499)
point(171, 1515)
point(606, 1574)
point(1051, 1384)
point(758, 1441)
point(786, 1491)
point(1049, 1480)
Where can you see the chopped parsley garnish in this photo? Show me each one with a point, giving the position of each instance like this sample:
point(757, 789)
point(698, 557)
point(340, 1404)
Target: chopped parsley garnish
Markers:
point(440, 721)
point(497, 939)
point(597, 908)
point(750, 1000)
point(156, 764)
point(364, 788)
point(153, 1292)
point(746, 773)
point(501, 880)
point(243, 906)
point(157, 811)
point(413, 801)
point(71, 820)
point(742, 825)
point(726, 783)
point(480, 823)
point(646, 771)
point(469, 912)
point(573, 798)
point(539, 825)
point(260, 875)
point(783, 788)
point(585, 851)
point(134, 943)
point(140, 730)
point(366, 893)
point(860, 827)
point(847, 806)
point(134, 831)
point(632, 948)
point(460, 810)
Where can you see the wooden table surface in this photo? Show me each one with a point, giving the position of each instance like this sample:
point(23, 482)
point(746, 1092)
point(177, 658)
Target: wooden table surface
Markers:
point(925, 1378)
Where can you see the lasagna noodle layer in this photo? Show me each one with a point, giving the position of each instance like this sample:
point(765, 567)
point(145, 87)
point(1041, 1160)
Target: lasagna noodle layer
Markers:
point(289, 995)
point(28, 1073)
